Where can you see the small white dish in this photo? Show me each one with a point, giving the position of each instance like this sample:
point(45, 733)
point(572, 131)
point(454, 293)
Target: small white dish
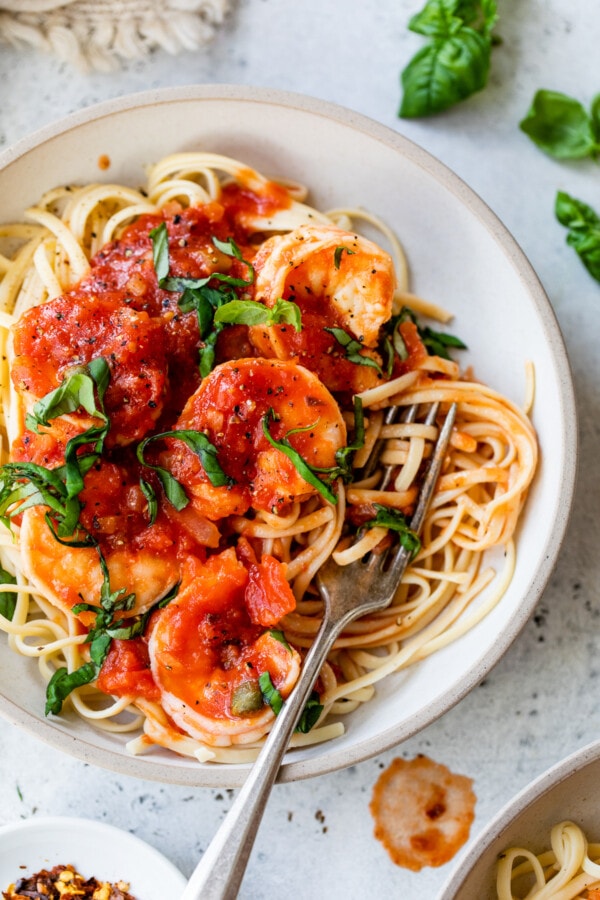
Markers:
point(567, 791)
point(95, 849)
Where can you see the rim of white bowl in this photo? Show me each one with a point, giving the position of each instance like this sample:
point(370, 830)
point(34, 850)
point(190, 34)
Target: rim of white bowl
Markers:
point(543, 784)
point(103, 832)
point(213, 775)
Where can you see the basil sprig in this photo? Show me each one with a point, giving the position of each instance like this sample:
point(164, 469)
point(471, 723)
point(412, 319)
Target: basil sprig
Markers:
point(583, 225)
point(352, 349)
point(108, 625)
point(23, 485)
point(455, 62)
point(394, 520)
point(271, 696)
point(198, 442)
point(561, 126)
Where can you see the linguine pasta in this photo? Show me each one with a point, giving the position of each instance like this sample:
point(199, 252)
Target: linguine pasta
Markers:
point(570, 869)
point(92, 254)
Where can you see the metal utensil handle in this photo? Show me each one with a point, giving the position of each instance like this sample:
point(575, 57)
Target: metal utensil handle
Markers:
point(219, 873)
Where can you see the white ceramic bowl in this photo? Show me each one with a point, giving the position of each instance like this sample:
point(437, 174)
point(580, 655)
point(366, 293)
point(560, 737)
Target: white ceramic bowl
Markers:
point(93, 848)
point(569, 790)
point(460, 256)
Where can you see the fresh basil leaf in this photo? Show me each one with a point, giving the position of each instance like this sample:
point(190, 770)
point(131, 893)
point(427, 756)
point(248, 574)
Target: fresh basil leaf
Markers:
point(455, 63)
point(438, 19)
point(250, 312)
point(560, 126)
point(310, 714)
point(352, 349)
point(160, 250)
point(337, 255)
point(270, 693)
point(8, 600)
point(394, 520)
point(303, 468)
point(584, 231)
point(63, 682)
point(595, 116)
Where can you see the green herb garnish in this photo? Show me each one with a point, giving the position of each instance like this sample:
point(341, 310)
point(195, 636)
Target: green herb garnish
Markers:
point(198, 442)
point(562, 127)
point(108, 626)
point(23, 485)
point(270, 694)
point(310, 714)
point(584, 230)
point(455, 62)
point(306, 471)
point(394, 520)
point(202, 295)
point(337, 254)
point(437, 343)
point(352, 349)
point(8, 600)
point(250, 312)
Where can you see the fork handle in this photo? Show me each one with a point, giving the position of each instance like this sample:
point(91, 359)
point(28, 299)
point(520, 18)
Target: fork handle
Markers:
point(219, 873)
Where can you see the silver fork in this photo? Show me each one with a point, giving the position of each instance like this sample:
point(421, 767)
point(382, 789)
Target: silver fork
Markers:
point(348, 592)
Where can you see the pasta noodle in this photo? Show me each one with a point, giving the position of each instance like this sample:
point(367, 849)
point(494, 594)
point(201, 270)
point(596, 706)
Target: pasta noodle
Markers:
point(176, 322)
point(571, 869)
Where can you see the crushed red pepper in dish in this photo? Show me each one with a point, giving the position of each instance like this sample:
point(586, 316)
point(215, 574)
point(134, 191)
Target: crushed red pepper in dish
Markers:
point(65, 883)
point(423, 812)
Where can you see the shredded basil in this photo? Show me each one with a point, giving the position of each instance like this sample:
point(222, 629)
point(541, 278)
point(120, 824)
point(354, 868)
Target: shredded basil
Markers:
point(310, 714)
point(150, 495)
point(303, 468)
point(353, 348)
point(280, 636)
point(250, 312)
point(198, 294)
point(108, 626)
point(345, 455)
point(437, 343)
point(395, 520)
point(337, 255)
point(271, 695)
point(198, 442)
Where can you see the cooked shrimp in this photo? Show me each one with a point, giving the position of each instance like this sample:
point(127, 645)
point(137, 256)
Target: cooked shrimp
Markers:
point(207, 655)
point(323, 265)
point(71, 575)
point(342, 283)
point(231, 407)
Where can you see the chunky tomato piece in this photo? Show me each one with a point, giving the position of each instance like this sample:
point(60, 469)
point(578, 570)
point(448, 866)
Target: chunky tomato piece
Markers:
point(268, 596)
point(126, 671)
